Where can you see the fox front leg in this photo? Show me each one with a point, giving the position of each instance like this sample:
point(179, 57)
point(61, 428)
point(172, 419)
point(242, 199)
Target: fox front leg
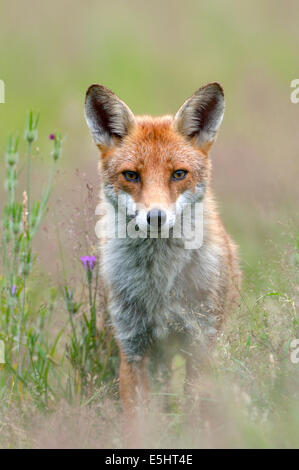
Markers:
point(133, 384)
point(134, 395)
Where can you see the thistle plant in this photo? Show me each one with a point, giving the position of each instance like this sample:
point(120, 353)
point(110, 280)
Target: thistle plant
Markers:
point(89, 264)
point(92, 351)
point(27, 348)
point(30, 136)
point(30, 350)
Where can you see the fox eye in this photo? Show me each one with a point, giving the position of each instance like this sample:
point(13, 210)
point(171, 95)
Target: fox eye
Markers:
point(179, 175)
point(131, 176)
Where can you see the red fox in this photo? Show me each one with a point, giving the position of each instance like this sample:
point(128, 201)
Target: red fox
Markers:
point(163, 298)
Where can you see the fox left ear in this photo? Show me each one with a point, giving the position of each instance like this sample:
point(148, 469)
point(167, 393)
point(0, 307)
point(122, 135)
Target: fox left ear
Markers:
point(108, 118)
point(201, 115)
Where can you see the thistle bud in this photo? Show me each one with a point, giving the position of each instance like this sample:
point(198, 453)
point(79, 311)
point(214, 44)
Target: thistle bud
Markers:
point(57, 145)
point(31, 132)
point(12, 155)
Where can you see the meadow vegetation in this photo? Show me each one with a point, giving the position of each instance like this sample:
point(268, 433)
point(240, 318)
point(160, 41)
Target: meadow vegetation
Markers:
point(58, 386)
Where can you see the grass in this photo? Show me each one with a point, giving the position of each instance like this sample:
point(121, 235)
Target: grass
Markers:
point(61, 360)
point(49, 368)
point(30, 366)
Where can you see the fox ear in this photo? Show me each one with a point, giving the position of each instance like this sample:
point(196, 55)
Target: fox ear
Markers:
point(200, 116)
point(108, 118)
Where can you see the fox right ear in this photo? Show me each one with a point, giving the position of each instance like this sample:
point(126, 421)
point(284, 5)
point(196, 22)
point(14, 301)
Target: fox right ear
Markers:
point(108, 118)
point(200, 116)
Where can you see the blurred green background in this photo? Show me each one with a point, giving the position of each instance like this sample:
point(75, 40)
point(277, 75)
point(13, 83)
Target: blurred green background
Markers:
point(154, 55)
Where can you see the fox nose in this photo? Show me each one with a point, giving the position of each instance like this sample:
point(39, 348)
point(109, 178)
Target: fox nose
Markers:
point(156, 217)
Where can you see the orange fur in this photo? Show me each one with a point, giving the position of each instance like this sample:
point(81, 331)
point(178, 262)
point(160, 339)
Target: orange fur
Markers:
point(154, 149)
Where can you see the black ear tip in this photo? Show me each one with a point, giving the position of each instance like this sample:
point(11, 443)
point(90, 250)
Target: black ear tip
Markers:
point(91, 89)
point(97, 90)
point(215, 86)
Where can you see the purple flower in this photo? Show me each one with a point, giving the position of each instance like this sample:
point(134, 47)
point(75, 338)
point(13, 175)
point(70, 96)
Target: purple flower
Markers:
point(52, 136)
point(13, 289)
point(88, 262)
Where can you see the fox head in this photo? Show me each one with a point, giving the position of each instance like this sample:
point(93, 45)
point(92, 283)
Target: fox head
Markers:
point(157, 164)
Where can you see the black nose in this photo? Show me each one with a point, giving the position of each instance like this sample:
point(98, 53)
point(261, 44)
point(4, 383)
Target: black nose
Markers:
point(156, 217)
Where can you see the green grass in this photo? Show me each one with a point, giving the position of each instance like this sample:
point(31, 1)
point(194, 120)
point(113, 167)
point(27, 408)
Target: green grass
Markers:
point(30, 351)
point(61, 363)
point(253, 384)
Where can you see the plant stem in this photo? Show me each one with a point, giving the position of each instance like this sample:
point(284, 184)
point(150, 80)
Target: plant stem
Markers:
point(29, 147)
point(20, 326)
point(92, 306)
point(44, 201)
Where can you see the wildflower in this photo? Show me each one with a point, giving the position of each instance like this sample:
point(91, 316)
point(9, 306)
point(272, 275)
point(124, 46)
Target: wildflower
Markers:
point(88, 262)
point(57, 145)
point(13, 289)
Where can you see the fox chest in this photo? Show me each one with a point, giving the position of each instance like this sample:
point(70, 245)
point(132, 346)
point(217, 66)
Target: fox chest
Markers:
point(149, 296)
